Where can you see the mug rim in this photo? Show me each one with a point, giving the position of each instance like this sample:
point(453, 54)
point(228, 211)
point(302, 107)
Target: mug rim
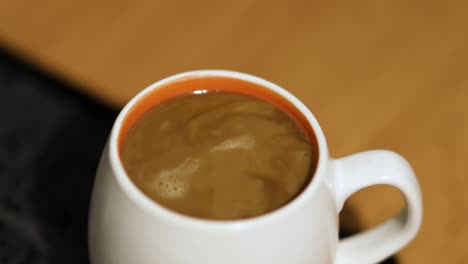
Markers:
point(156, 210)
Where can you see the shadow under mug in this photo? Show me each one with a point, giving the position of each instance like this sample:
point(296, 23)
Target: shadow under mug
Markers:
point(125, 226)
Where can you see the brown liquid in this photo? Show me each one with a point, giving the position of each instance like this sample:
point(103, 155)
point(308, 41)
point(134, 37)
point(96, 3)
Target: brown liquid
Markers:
point(218, 155)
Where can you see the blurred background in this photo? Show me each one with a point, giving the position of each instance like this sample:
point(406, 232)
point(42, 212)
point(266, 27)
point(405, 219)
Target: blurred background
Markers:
point(377, 74)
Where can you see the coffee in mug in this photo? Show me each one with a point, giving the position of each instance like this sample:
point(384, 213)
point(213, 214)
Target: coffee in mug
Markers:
point(218, 155)
point(203, 146)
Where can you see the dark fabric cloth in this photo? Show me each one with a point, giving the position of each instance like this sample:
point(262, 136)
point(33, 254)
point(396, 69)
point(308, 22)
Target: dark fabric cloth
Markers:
point(50, 142)
point(51, 138)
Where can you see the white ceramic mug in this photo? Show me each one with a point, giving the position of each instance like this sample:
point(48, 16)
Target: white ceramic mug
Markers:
point(127, 227)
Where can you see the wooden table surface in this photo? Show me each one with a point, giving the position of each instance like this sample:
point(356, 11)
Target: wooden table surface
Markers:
point(377, 74)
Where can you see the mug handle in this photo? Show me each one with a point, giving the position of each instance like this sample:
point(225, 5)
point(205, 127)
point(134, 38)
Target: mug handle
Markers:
point(369, 168)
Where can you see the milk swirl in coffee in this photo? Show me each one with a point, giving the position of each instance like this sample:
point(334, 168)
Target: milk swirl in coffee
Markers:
point(218, 155)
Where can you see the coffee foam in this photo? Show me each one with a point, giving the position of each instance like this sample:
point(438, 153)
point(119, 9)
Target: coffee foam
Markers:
point(172, 183)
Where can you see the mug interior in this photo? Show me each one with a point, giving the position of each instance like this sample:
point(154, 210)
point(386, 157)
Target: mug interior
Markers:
point(204, 83)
